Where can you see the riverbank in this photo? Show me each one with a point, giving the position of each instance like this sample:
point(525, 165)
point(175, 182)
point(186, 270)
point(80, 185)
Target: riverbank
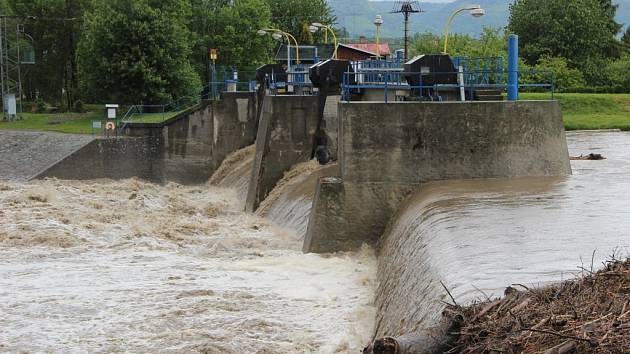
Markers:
point(589, 314)
point(75, 123)
point(591, 111)
point(581, 112)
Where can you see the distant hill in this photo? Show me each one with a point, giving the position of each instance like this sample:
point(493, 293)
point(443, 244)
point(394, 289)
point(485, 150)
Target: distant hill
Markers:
point(357, 16)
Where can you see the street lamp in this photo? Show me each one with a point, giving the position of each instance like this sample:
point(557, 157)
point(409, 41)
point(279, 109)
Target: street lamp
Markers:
point(475, 11)
point(316, 26)
point(378, 22)
point(278, 34)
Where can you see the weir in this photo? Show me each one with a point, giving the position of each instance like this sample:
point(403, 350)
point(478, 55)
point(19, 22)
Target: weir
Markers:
point(387, 150)
point(185, 149)
point(390, 134)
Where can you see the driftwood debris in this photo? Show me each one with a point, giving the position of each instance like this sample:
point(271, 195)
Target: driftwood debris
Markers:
point(588, 315)
point(430, 341)
point(592, 157)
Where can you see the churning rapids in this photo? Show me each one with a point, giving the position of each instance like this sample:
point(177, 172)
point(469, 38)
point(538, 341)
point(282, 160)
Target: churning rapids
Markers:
point(135, 267)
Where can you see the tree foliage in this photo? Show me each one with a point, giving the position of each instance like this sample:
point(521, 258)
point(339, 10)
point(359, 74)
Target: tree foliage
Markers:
point(54, 26)
point(566, 79)
point(137, 51)
point(625, 41)
point(618, 74)
point(295, 16)
point(491, 43)
point(577, 30)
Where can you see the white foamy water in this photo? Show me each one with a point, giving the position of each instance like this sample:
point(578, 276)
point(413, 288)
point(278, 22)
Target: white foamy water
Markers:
point(135, 267)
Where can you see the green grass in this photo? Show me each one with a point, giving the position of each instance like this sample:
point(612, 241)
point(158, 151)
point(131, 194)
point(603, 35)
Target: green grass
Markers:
point(74, 123)
point(153, 117)
point(591, 111)
point(581, 112)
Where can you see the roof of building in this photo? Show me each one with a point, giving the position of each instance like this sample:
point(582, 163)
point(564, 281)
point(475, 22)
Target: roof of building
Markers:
point(370, 48)
point(307, 53)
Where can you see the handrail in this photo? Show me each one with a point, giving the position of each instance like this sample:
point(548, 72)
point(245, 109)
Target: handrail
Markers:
point(426, 84)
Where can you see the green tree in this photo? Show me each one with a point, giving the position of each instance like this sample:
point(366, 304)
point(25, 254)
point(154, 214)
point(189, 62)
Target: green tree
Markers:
point(576, 30)
point(618, 74)
point(54, 26)
point(295, 16)
point(137, 51)
point(491, 43)
point(566, 79)
point(5, 9)
point(625, 40)
point(232, 30)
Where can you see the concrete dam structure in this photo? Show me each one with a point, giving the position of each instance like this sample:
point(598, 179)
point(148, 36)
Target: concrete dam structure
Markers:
point(185, 149)
point(380, 191)
point(390, 156)
point(388, 150)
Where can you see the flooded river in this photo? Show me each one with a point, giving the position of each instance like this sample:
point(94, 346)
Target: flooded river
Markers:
point(135, 267)
point(478, 237)
point(130, 266)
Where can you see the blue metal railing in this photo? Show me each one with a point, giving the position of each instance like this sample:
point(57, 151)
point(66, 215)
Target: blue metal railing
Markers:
point(363, 65)
point(482, 70)
point(427, 86)
point(154, 114)
point(298, 77)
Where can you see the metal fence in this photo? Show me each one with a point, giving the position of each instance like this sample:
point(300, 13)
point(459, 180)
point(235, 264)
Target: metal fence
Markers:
point(155, 114)
point(430, 87)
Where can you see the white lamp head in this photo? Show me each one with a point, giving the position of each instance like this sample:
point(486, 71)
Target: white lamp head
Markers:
point(277, 36)
point(379, 20)
point(317, 24)
point(261, 32)
point(478, 12)
point(313, 28)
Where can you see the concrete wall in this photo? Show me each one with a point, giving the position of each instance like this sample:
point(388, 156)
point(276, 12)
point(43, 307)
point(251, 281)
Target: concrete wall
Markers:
point(285, 138)
point(186, 149)
point(388, 150)
point(113, 159)
point(24, 154)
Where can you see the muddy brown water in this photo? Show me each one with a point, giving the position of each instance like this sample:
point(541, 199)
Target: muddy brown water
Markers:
point(129, 266)
point(106, 266)
point(478, 237)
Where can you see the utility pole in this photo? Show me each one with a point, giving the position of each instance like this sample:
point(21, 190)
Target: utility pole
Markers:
point(407, 8)
point(12, 56)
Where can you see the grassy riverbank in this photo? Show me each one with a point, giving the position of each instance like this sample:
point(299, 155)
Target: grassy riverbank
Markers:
point(591, 111)
point(581, 112)
point(74, 123)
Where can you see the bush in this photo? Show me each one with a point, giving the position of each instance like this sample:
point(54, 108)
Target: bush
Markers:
point(566, 79)
point(41, 106)
point(78, 107)
point(618, 74)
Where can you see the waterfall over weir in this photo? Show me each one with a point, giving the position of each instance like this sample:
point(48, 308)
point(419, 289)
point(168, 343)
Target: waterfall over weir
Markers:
point(480, 236)
point(477, 236)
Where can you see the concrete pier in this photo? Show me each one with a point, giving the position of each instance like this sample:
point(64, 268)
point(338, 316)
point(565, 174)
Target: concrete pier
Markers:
point(387, 150)
point(285, 138)
point(186, 149)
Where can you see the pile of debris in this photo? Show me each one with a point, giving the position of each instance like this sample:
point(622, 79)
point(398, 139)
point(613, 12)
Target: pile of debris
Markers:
point(587, 315)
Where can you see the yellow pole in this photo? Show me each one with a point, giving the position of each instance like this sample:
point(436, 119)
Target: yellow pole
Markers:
point(378, 47)
point(289, 36)
point(328, 28)
point(297, 47)
point(448, 24)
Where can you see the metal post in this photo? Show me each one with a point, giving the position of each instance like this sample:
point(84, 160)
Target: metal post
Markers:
point(2, 64)
point(512, 86)
point(460, 78)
